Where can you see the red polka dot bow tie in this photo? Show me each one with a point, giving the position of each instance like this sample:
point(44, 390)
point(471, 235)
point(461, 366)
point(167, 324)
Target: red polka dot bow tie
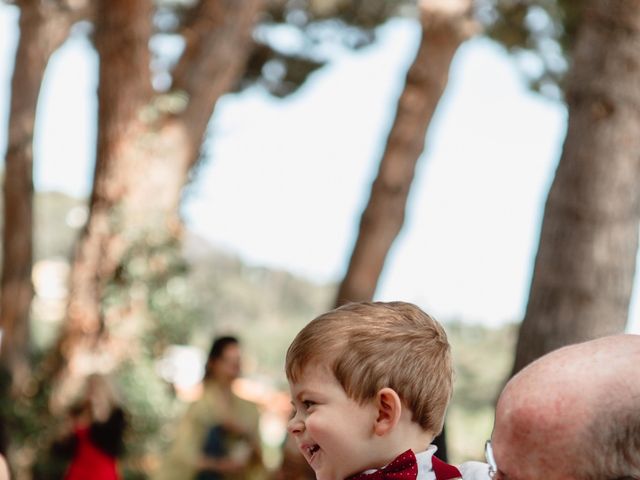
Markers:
point(404, 467)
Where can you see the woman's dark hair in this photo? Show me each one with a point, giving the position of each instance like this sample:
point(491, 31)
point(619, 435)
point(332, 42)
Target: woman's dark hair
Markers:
point(108, 436)
point(217, 349)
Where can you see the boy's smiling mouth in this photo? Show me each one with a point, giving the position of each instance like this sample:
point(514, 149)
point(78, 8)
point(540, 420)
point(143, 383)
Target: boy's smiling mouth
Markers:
point(309, 451)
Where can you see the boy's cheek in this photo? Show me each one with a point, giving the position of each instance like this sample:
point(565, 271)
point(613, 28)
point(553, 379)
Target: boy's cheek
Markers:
point(313, 425)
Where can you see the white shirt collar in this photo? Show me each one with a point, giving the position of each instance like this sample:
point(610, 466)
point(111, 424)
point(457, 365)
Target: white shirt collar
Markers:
point(423, 459)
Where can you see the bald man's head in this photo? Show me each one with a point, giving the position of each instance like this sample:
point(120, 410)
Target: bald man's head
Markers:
point(574, 414)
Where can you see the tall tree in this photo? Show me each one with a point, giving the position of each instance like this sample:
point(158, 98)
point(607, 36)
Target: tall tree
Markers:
point(586, 258)
point(148, 143)
point(445, 26)
point(43, 28)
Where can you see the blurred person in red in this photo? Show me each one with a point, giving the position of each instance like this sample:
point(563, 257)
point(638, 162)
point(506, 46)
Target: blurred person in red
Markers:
point(96, 437)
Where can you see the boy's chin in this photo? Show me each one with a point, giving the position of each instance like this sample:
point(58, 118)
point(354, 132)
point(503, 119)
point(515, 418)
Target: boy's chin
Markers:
point(322, 474)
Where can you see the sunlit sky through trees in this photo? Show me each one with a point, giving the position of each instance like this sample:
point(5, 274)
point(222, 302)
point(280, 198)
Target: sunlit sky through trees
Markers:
point(284, 182)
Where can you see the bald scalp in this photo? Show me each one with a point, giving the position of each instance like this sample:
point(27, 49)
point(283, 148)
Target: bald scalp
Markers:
point(586, 394)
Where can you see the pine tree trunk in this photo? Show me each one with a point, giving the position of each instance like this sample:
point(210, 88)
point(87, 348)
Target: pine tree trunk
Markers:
point(445, 25)
point(586, 258)
point(122, 32)
point(43, 27)
point(144, 157)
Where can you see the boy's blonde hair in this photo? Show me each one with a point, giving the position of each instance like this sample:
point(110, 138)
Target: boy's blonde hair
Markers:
point(372, 345)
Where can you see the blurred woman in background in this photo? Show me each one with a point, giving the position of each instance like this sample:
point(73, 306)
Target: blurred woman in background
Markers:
point(217, 438)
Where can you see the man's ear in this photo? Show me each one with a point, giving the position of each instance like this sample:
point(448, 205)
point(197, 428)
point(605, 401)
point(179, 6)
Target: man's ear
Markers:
point(389, 408)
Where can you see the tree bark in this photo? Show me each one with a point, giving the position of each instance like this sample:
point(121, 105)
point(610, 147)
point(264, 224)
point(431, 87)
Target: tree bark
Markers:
point(122, 32)
point(43, 28)
point(147, 145)
point(586, 258)
point(218, 43)
point(445, 25)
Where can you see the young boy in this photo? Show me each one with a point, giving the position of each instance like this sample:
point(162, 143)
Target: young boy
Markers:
point(370, 384)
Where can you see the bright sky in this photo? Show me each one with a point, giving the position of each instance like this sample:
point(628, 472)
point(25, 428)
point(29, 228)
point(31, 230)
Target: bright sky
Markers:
point(285, 181)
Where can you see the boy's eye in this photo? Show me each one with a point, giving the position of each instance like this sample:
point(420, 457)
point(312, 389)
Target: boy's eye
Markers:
point(308, 404)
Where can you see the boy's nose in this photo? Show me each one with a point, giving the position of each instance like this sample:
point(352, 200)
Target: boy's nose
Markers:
point(295, 426)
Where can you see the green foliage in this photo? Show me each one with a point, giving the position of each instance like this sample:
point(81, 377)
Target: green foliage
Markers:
point(314, 29)
point(150, 291)
point(59, 216)
point(150, 405)
point(539, 33)
point(265, 308)
point(482, 359)
point(315, 25)
point(155, 271)
point(30, 427)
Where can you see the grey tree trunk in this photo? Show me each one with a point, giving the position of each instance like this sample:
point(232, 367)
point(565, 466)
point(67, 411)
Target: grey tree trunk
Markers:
point(586, 258)
point(43, 28)
point(445, 26)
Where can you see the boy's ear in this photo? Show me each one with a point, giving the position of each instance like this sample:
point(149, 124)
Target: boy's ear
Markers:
point(389, 408)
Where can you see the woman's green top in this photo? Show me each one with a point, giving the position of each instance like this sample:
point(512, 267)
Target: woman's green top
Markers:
point(213, 408)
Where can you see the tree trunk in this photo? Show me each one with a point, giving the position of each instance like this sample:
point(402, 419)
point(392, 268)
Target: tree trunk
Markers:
point(122, 33)
point(445, 25)
point(586, 258)
point(218, 44)
point(43, 28)
point(147, 145)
